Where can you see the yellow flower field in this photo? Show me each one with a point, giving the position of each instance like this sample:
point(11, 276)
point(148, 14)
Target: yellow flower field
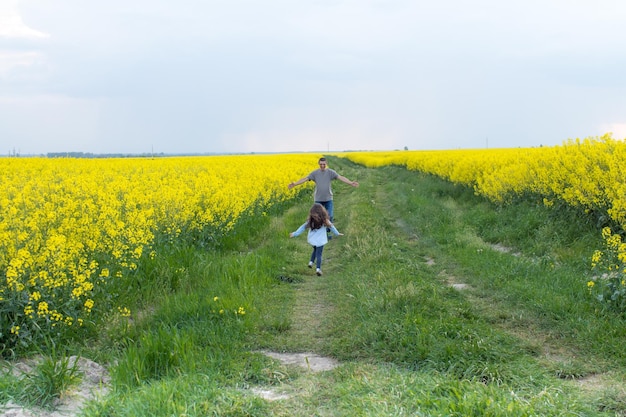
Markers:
point(589, 173)
point(69, 226)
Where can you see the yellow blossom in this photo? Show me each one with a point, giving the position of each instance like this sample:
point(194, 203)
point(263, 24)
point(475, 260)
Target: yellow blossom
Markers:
point(124, 311)
point(42, 309)
point(89, 303)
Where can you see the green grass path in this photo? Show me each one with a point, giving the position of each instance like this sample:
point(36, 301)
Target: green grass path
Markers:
point(434, 303)
point(443, 302)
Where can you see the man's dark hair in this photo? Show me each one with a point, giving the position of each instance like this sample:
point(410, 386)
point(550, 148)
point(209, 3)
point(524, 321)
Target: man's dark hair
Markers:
point(322, 159)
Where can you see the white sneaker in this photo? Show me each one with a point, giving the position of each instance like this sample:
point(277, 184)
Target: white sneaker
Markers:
point(310, 264)
point(318, 272)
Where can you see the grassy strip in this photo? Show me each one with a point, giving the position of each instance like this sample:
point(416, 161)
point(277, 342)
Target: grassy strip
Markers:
point(523, 327)
point(435, 302)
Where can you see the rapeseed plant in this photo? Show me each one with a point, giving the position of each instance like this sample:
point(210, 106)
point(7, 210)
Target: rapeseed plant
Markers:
point(74, 229)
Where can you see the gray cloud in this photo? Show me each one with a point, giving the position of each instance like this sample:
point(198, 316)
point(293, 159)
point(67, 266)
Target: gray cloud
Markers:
point(247, 76)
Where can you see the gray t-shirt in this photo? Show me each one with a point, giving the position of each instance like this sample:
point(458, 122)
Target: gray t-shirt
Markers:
point(323, 191)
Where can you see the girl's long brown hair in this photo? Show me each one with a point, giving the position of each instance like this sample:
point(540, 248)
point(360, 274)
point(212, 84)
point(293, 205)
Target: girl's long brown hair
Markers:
point(318, 217)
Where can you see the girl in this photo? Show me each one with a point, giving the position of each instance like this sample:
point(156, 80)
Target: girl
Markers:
point(317, 222)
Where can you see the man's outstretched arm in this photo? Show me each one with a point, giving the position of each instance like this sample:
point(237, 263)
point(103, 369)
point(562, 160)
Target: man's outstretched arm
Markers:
point(347, 181)
point(300, 181)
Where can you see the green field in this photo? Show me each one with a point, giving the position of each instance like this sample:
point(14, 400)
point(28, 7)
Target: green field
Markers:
point(435, 302)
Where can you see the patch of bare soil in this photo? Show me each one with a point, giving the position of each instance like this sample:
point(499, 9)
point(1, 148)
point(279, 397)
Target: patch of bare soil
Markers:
point(94, 382)
point(453, 282)
point(270, 394)
point(309, 361)
point(503, 249)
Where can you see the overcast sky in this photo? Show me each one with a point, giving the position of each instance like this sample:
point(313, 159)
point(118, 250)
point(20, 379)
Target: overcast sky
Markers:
point(198, 76)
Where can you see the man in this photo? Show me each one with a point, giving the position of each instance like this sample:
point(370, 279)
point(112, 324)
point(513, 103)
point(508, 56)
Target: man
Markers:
point(323, 191)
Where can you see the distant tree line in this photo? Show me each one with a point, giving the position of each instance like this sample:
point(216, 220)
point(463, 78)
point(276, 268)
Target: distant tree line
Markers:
point(99, 155)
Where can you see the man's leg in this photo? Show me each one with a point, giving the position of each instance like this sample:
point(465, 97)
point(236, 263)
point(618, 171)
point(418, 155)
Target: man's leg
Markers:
point(328, 205)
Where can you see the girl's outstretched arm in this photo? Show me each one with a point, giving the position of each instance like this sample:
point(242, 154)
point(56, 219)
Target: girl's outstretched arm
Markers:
point(298, 231)
point(334, 230)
